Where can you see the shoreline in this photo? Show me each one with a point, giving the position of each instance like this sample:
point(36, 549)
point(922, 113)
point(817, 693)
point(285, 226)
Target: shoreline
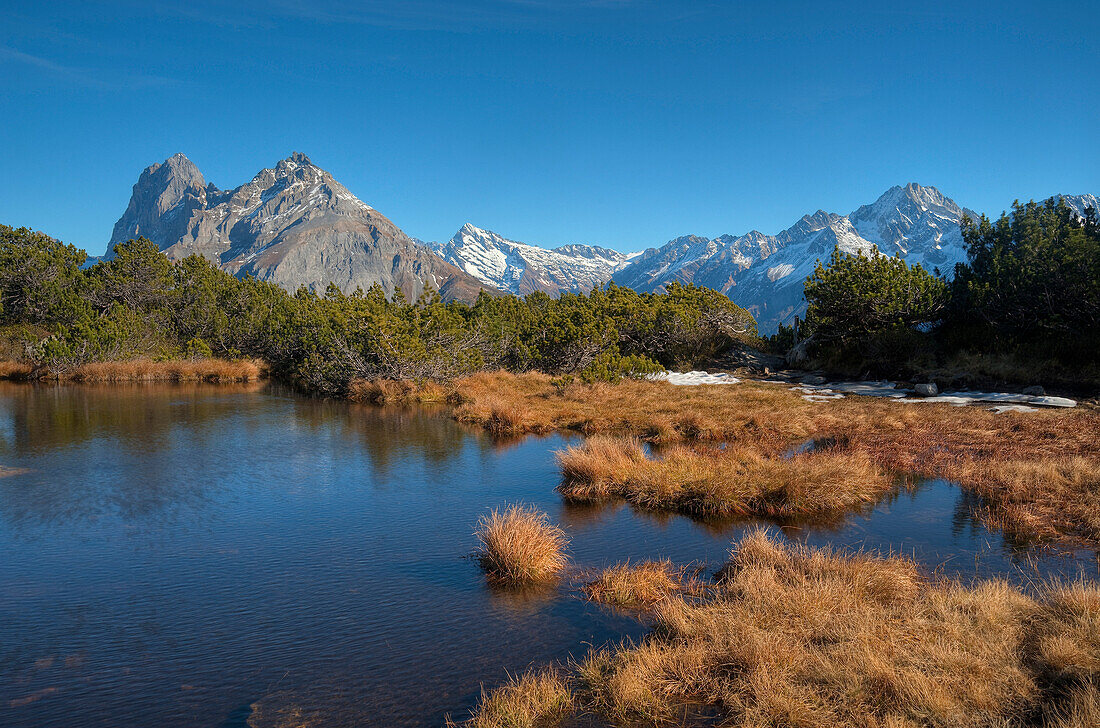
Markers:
point(144, 370)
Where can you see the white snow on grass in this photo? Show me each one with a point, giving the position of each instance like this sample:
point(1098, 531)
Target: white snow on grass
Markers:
point(1002, 401)
point(889, 390)
point(690, 379)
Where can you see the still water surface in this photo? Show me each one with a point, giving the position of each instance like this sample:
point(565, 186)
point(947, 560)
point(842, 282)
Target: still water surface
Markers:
point(228, 557)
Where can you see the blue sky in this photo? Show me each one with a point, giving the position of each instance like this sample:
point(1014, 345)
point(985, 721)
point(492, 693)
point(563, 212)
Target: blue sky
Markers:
point(616, 122)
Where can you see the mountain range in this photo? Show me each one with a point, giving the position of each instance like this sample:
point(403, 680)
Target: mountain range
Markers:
point(295, 225)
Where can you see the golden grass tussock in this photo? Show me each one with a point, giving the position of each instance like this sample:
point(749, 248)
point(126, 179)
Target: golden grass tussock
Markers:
point(180, 370)
point(729, 482)
point(1037, 498)
point(533, 700)
point(794, 636)
point(519, 545)
point(638, 585)
point(15, 370)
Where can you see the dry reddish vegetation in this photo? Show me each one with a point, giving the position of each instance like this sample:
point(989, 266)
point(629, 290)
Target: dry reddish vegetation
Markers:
point(732, 482)
point(791, 636)
point(15, 370)
point(519, 545)
point(148, 370)
point(533, 699)
point(1005, 458)
point(635, 585)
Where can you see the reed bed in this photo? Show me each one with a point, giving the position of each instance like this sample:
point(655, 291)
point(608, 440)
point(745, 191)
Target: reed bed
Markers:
point(736, 481)
point(519, 545)
point(793, 636)
point(178, 370)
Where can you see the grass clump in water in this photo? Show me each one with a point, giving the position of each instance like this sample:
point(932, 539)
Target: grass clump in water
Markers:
point(536, 698)
point(519, 545)
point(795, 636)
point(731, 482)
point(635, 585)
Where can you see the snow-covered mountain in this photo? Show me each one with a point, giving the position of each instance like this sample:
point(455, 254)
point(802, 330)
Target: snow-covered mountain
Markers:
point(293, 225)
point(765, 273)
point(521, 268)
point(1080, 203)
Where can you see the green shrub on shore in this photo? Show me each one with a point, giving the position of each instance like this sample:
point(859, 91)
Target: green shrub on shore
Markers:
point(139, 304)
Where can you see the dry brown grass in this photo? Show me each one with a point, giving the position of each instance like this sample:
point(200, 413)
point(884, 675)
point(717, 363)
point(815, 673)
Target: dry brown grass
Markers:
point(532, 700)
point(791, 636)
point(181, 370)
point(991, 454)
point(519, 545)
point(635, 585)
point(732, 482)
point(1037, 498)
point(15, 370)
point(388, 391)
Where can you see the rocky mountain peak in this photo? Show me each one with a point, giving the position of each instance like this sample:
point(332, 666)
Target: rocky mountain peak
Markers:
point(292, 224)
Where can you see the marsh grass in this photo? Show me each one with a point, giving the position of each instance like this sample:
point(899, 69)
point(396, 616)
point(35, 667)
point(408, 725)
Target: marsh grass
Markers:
point(794, 636)
point(735, 481)
point(995, 456)
point(15, 370)
point(519, 545)
point(635, 586)
point(532, 700)
point(173, 370)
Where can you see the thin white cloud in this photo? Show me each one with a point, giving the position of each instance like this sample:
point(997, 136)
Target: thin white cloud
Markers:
point(96, 78)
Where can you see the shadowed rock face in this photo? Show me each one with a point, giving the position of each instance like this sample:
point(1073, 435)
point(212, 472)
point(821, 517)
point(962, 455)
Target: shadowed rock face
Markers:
point(293, 225)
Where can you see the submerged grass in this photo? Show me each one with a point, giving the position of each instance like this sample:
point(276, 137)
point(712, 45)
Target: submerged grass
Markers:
point(635, 585)
point(731, 482)
point(519, 545)
point(793, 636)
point(999, 456)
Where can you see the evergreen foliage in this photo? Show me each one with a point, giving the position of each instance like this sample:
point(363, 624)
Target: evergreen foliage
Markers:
point(1030, 290)
point(1032, 280)
point(138, 303)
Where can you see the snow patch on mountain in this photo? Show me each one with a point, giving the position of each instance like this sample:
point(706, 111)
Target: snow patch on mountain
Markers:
point(520, 268)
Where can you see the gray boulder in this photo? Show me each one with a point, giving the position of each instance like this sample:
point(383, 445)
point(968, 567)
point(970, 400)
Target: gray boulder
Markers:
point(928, 389)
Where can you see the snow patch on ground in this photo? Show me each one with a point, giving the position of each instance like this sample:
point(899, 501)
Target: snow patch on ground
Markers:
point(689, 379)
point(1002, 401)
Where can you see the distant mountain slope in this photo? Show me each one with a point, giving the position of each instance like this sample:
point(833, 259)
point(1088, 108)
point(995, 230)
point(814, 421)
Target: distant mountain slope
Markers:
point(765, 273)
point(293, 225)
point(1080, 203)
point(521, 269)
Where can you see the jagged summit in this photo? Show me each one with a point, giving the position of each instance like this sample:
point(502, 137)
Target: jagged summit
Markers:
point(765, 273)
point(293, 224)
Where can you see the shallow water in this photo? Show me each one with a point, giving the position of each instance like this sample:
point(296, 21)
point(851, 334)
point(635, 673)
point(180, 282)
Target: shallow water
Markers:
point(217, 556)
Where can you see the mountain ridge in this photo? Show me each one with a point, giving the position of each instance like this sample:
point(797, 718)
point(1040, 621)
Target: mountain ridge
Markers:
point(293, 224)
